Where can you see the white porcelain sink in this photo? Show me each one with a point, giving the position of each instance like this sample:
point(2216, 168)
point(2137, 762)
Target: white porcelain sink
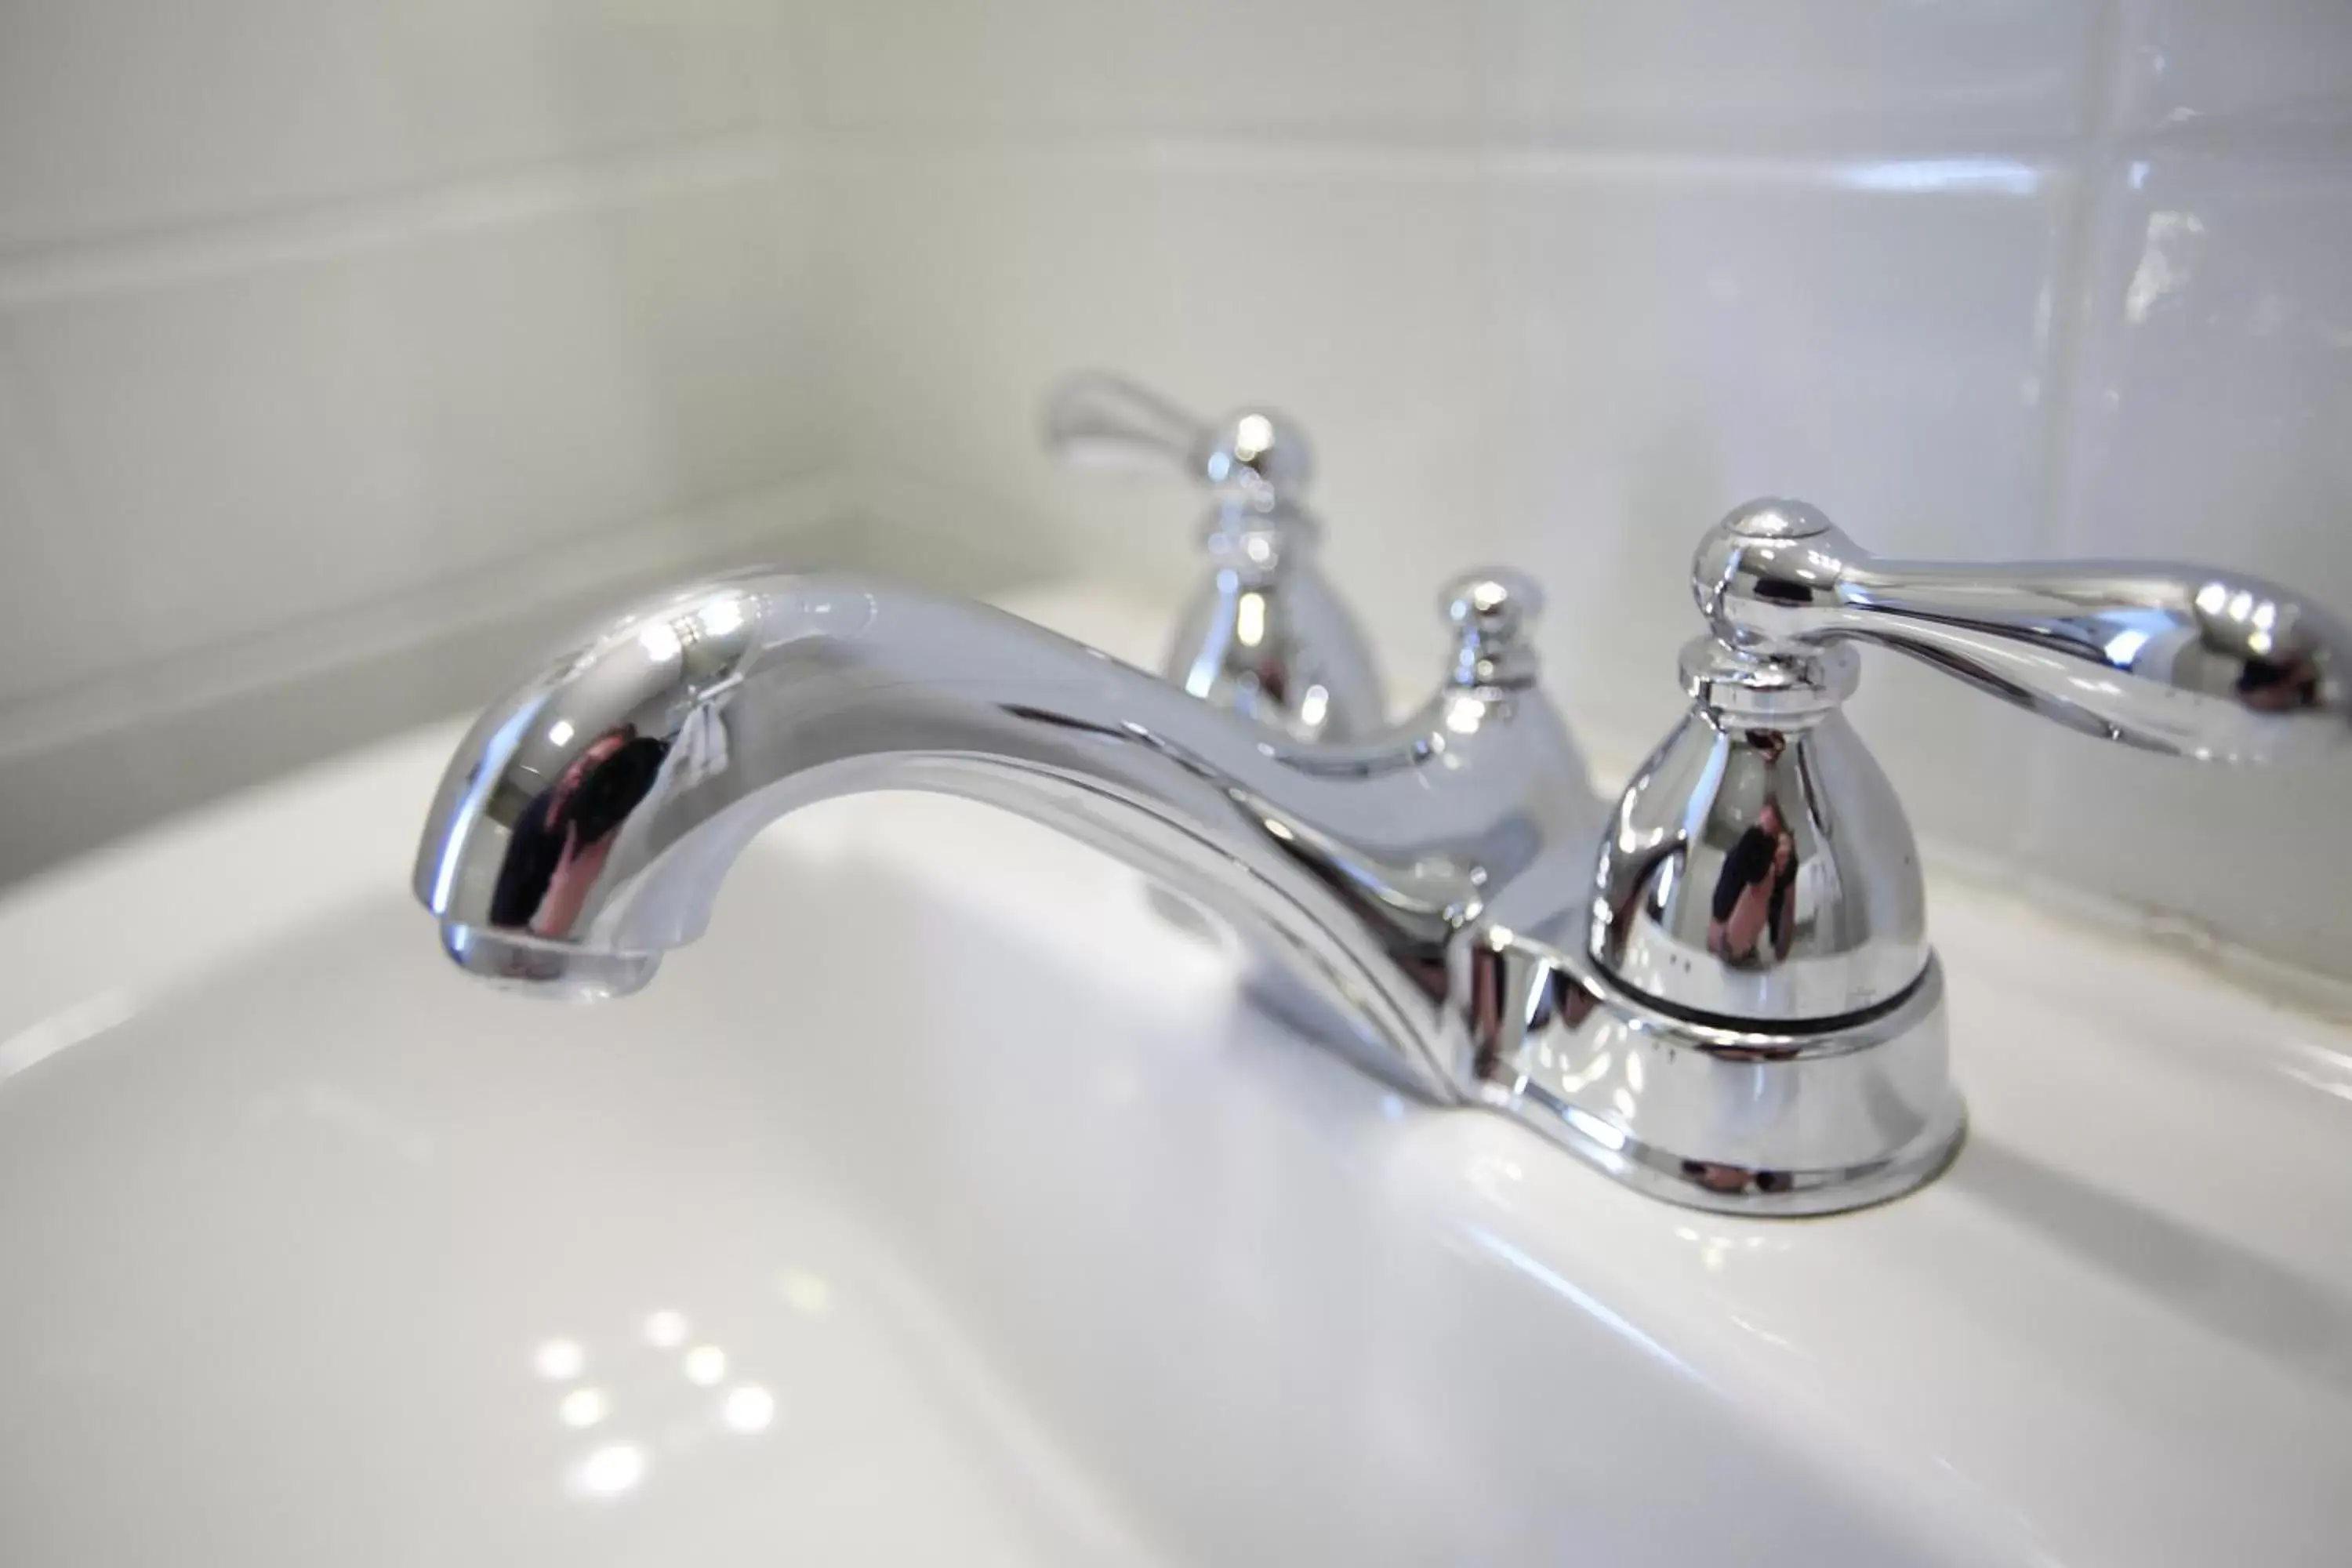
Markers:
point(896, 1225)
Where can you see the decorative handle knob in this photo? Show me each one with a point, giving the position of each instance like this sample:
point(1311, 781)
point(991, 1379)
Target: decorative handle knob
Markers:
point(2190, 660)
point(1492, 611)
point(1254, 458)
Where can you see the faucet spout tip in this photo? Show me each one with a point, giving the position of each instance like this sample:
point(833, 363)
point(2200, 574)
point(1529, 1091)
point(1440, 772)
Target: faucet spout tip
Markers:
point(540, 967)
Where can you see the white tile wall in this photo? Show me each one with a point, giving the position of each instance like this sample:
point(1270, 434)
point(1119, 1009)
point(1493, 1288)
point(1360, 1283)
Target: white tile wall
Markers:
point(1864, 76)
point(1678, 337)
point(2212, 403)
point(1381, 67)
point(380, 414)
point(2249, 66)
point(311, 313)
point(137, 114)
point(307, 310)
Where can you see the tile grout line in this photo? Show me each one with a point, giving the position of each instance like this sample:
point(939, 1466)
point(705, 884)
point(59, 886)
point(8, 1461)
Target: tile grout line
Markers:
point(423, 616)
point(228, 246)
point(296, 232)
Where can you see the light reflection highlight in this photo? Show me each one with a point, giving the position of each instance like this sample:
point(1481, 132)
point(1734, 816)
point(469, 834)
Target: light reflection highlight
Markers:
point(585, 1407)
point(721, 616)
point(611, 1470)
point(748, 1409)
point(66, 1027)
point(706, 1365)
point(1249, 619)
point(665, 1330)
point(1557, 1282)
point(558, 1360)
point(2002, 176)
point(1313, 706)
point(660, 642)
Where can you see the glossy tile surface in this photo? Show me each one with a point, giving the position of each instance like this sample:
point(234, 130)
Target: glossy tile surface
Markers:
point(1672, 341)
point(1216, 66)
point(2215, 389)
point(2267, 64)
point(352, 419)
point(118, 115)
point(1853, 72)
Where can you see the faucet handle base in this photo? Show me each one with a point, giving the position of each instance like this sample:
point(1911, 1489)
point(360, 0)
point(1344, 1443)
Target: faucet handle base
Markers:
point(1745, 1121)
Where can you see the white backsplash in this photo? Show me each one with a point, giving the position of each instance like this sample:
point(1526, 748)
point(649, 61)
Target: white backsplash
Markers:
point(309, 309)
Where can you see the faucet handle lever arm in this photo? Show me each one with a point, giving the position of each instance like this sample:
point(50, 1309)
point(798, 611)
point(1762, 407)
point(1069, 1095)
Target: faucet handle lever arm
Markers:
point(2190, 660)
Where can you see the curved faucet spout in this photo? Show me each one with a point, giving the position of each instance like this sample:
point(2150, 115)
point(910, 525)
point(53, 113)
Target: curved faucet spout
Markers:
point(587, 819)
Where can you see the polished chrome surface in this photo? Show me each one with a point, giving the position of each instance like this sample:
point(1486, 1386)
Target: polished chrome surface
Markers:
point(1730, 1003)
point(1745, 1117)
point(2195, 661)
point(1422, 887)
point(587, 820)
point(1265, 634)
point(1759, 886)
point(1761, 869)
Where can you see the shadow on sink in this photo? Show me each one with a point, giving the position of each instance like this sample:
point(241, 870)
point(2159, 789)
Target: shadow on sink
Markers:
point(2272, 1311)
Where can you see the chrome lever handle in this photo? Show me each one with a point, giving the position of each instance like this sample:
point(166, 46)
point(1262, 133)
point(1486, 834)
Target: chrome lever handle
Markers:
point(1097, 420)
point(2190, 660)
point(1252, 458)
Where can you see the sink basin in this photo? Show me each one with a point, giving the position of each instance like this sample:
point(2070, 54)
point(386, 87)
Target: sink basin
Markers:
point(899, 1224)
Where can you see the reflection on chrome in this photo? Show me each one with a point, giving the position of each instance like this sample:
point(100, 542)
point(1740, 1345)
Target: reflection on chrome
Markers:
point(665, 1329)
point(1721, 992)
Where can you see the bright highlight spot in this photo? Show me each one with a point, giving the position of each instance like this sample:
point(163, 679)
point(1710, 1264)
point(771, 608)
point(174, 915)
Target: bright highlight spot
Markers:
point(721, 616)
point(558, 1359)
point(660, 642)
point(1313, 706)
point(750, 1408)
point(665, 1330)
point(1249, 619)
point(610, 1471)
point(705, 1365)
point(585, 1407)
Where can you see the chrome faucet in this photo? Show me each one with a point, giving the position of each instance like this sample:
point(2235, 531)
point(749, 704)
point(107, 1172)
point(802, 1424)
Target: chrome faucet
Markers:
point(1720, 994)
point(1266, 634)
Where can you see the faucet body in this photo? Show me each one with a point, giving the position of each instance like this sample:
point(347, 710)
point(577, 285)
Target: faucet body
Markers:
point(1353, 866)
point(1721, 993)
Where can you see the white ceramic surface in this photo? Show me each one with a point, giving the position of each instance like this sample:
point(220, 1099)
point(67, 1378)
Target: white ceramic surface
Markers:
point(893, 1227)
